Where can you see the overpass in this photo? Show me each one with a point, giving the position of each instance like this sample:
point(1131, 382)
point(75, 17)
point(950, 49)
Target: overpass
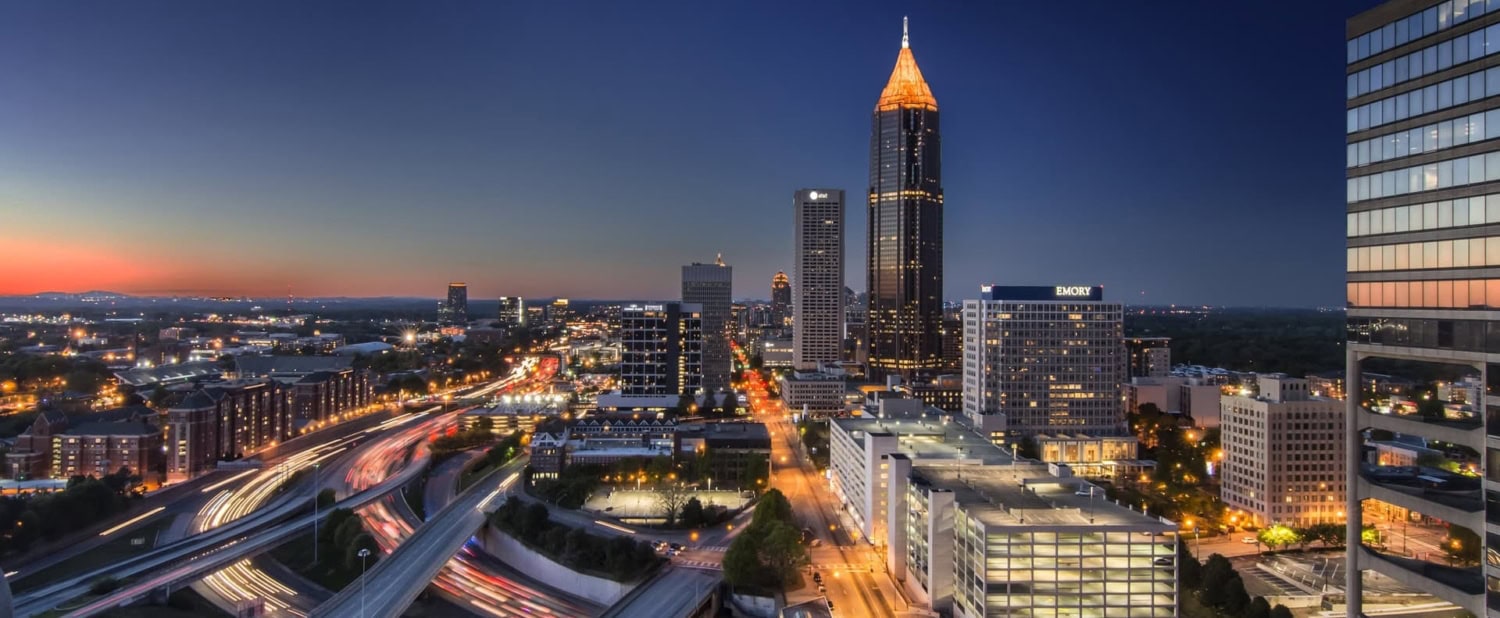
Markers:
point(393, 583)
point(201, 554)
point(674, 592)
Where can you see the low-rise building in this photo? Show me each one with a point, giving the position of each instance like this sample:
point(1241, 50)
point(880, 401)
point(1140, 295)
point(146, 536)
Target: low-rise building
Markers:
point(1193, 397)
point(730, 448)
point(103, 448)
point(819, 394)
point(1100, 457)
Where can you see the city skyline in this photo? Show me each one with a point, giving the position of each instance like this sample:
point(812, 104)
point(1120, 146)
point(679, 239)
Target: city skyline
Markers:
point(110, 152)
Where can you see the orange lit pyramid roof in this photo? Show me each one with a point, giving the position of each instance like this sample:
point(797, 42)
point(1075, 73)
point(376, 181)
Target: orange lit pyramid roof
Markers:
point(906, 89)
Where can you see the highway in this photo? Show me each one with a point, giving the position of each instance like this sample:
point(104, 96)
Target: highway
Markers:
point(224, 543)
point(250, 540)
point(243, 581)
point(395, 581)
point(673, 593)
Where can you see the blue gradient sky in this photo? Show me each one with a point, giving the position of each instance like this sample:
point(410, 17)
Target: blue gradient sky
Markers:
point(1173, 152)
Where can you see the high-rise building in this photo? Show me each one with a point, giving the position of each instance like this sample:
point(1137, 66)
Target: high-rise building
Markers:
point(818, 278)
point(711, 287)
point(661, 349)
point(1423, 262)
point(905, 234)
point(1150, 357)
point(1044, 359)
point(455, 309)
point(781, 299)
point(1283, 454)
point(512, 311)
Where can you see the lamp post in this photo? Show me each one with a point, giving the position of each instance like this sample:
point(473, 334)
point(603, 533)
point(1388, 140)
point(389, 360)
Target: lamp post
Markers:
point(315, 513)
point(363, 553)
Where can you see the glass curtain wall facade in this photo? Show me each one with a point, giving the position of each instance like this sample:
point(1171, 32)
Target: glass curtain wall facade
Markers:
point(661, 349)
point(905, 234)
point(1422, 162)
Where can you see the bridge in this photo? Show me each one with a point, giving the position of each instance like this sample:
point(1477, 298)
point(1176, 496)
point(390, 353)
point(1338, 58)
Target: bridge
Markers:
point(202, 554)
point(674, 592)
point(388, 588)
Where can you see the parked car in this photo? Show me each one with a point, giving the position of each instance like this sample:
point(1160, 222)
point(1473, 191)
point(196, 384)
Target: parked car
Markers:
point(1249, 540)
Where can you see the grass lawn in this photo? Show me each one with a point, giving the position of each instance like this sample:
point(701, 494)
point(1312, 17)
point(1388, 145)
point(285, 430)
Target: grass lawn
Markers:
point(126, 544)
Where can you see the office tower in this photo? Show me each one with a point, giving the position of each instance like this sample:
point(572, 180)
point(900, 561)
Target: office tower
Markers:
point(781, 299)
point(818, 278)
point(1150, 357)
point(1283, 454)
point(455, 310)
point(661, 349)
point(905, 235)
point(1423, 275)
point(1044, 359)
point(710, 286)
point(512, 311)
point(559, 312)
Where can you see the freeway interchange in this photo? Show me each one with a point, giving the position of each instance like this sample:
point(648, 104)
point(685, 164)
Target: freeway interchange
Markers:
point(245, 513)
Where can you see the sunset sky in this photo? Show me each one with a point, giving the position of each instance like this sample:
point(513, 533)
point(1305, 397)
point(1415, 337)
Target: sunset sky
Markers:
point(372, 149)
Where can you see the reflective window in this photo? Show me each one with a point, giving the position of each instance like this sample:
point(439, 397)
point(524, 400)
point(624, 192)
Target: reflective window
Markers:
point(1425, 61)
point(1457, 91)
point(1437, 175)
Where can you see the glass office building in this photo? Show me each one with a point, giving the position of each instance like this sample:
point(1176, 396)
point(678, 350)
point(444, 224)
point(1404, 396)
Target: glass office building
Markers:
point(1423, 239)
point(905, 235)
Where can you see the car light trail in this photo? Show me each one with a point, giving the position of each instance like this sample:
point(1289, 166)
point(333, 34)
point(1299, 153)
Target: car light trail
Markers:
point(127, 523)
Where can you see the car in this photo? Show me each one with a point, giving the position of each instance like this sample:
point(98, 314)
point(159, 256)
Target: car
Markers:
point(830, 604)
point(818, 577)
point(1089, 492)
point(1162, 561)
point(676, 547)
point(1249, 540)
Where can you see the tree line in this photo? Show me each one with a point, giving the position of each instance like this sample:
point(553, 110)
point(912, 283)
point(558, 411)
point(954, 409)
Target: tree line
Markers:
point(86, 501)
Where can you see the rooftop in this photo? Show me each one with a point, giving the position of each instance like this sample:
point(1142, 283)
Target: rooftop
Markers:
point(267, 365)
point(928, 436)
point(1026, 495)
point(906, 88)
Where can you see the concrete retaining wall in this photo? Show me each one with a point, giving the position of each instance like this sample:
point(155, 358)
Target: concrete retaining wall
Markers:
point(541, 568)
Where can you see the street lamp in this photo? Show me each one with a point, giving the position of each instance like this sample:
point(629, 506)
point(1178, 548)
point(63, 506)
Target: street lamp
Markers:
point(315, 513)
point(363, 553)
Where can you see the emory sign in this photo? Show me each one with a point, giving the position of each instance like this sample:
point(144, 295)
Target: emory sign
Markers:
point(1072, 291)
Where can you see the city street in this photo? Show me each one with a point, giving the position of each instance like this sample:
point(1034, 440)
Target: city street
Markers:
point(853, 575)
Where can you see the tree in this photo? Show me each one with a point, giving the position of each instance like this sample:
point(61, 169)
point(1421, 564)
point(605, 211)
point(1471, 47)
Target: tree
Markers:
point(348, 531)
point(1235, 598)
point(1278, 536)
point(158, 396)
point(692, 513)
point(1189, 570)
point(533, 521)
point(671, 496)
point(1280, 611)
point(326, 498)
point(685, 404)
point(1258, 608)
point(1462, 546)
point(486, 423)
point(742, 562)
point(782, 551)
point(1216, 572)
point(773, 506)
point(730, 407)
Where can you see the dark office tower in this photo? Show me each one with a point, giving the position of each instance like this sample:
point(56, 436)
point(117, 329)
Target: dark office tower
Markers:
point(456, 309)
point(905, 236)
point(512, 311)
point(818, 296)
point(661, 349)
point(781, 299)
point(1423, 284)
point(711, 286)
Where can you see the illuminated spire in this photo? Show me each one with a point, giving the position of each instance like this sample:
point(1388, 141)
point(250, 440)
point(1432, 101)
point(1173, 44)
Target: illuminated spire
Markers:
point(719, 260)
point(906, 89)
